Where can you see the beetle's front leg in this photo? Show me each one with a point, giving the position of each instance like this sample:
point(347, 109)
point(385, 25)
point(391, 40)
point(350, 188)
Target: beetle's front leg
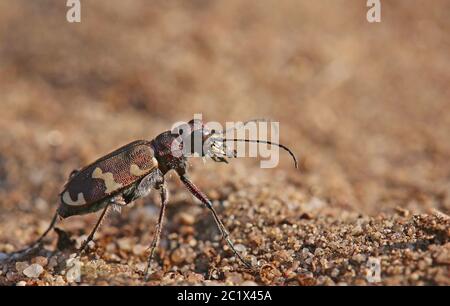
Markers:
point(156, 238)
point(202, 197)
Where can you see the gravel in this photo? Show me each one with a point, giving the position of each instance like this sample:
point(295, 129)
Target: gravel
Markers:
point(368, 206)
point(289, 251)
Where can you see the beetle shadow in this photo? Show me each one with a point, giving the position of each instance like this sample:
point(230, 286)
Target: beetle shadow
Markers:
point(64, 245)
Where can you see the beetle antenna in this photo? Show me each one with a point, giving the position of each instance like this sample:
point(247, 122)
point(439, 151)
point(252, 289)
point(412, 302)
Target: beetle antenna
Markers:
point(269, 143)
point(242, 124)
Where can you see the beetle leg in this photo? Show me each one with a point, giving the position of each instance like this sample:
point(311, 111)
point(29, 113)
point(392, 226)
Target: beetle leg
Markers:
point(152, 180)
point(55, 217)
point(204, 199)
point(50, 227)
point(164, 199)
point(91, 235)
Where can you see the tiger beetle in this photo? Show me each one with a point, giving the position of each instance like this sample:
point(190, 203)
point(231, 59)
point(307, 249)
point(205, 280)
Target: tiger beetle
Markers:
point(132, 171)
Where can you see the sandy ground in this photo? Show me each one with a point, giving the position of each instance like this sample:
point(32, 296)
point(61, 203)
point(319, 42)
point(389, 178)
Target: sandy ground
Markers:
point(364, 106)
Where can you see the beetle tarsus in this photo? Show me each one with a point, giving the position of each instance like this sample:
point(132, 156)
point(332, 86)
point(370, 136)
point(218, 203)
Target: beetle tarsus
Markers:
point(238, 255)
point(226, 237)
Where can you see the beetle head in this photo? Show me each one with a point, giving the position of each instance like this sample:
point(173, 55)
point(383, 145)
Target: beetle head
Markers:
point(199, 140)
point(185, 140)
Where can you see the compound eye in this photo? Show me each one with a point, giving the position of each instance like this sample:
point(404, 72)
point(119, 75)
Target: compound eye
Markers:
point(213, 131)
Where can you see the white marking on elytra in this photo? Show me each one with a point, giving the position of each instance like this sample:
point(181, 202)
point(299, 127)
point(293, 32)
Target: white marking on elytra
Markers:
point(136, 171)
point(110, 184)
point(67, 199)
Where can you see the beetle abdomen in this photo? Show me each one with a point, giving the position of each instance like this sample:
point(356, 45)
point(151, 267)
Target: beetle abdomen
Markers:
point(110, 174)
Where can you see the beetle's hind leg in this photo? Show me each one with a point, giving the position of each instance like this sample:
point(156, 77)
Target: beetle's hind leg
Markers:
point(50, 227)
point(55, 217)
point(164, 200)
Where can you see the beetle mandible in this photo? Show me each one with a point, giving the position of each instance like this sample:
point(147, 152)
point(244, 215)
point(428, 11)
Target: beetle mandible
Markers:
point(132, 171)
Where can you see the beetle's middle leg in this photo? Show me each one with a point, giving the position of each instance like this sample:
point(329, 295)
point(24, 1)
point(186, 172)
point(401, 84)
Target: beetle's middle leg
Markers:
point(116, 203)
point(91, 235)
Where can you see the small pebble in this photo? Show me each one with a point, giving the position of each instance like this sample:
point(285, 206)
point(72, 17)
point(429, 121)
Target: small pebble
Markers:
point(178, 255)
point(11, 276)
point(140, 267)
point(249, 283)
point(139, 249)
point(21, 265)
point(233, 278)
point(186, 219)
point(59, 281)
point(335, 272)
point(111, 247)
point(41, 260)
point(124, 244)
point(33, 271)
point(240, 248)
point(73, 274)
point(359, 258)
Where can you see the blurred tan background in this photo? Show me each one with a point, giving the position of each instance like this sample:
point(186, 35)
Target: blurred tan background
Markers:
point(365, 106)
